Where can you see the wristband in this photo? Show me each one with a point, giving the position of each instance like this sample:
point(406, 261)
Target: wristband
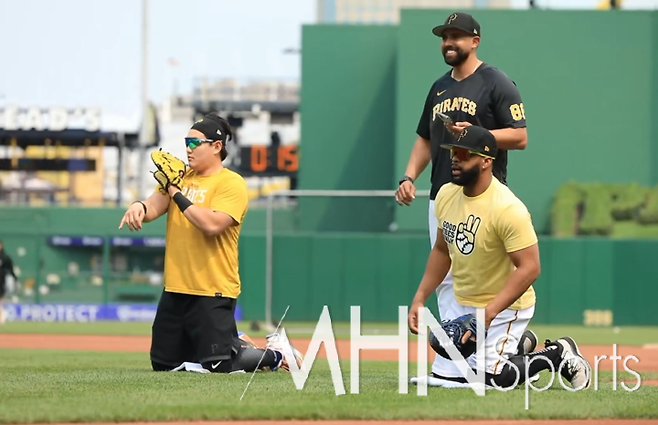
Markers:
point(182, 202)
point(404, 179)
point(143, 205)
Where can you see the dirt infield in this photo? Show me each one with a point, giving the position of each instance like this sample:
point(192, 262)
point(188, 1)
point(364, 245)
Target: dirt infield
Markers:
point(423, 422)
point(647, 357)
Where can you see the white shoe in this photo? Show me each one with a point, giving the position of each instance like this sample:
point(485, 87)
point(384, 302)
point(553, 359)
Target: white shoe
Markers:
point(574, 367)
point(280, 343)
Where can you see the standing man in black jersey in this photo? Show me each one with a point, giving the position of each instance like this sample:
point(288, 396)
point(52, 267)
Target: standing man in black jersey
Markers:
point(471, 93)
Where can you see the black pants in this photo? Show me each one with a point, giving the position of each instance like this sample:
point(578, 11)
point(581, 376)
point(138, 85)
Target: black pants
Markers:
point(192, 328)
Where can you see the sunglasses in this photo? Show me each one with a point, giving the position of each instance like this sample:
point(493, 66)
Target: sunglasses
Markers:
point(464, 154)
point(195, 142)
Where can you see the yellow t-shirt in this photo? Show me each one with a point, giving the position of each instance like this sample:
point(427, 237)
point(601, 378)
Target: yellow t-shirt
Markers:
point(197, 264)
point(480, 231)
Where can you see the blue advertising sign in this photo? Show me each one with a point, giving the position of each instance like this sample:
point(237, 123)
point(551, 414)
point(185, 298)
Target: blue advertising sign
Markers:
point(79, 241)
point(45, 312)
point(58, 240)
point(153, 242)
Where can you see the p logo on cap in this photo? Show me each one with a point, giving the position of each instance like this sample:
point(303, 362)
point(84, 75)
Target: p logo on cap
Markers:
point(462, 135)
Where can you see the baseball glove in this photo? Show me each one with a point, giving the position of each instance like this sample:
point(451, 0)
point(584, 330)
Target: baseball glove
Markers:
point(455, 330)
point(170, 170)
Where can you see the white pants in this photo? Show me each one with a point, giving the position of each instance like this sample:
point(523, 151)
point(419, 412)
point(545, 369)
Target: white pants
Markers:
point(504, 332)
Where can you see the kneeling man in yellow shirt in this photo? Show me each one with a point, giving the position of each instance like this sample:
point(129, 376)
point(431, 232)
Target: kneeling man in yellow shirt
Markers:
point(487, 239)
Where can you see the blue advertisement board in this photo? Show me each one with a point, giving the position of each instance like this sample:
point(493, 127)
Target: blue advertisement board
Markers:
point(81, 313)
point(57, 240)
point(99, 241)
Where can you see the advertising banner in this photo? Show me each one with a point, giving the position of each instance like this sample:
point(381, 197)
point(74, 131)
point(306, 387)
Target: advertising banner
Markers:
point(46, 312)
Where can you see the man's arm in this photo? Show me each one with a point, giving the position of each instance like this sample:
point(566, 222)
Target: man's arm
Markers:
point(156, 205)
point(527, 271)
point(438, 266)
point(511, 138)
point(515, 228)
point(421, 155)
point(226, 209)
point(510, 115)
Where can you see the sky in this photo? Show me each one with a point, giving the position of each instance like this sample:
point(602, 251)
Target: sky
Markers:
point(88, 53)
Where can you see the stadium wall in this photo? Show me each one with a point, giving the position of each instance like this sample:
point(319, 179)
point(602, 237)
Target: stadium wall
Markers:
point(575, 100)
point(654, 93)
point(593, 281)
point(348, 131)
point(363, 89)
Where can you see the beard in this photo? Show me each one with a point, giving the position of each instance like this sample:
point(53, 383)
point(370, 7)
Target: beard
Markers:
point(459, 58)
point(467, 177)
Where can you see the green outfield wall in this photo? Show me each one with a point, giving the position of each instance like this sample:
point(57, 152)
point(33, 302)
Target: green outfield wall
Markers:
point(576, 84)
point(595, 281)
point(348, 130)
point(584, 281)
point(588, 95)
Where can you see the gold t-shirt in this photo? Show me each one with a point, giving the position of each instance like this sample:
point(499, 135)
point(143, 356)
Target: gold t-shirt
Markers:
point(197, 264)
point(480, 231)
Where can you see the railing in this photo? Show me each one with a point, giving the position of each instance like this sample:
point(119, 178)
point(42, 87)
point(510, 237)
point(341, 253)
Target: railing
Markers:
point(390, 194)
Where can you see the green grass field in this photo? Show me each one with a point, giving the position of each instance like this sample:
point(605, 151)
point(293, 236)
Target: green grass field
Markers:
point(630, 335)
point(49, 386)
point(38, 386)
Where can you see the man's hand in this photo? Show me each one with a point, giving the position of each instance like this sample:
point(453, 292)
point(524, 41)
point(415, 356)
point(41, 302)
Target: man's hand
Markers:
point(489, 315)
point(457, 128)
point(133, 217)
point(461, 331)
point(172, 190)
point(406, 193)
point(413, 317)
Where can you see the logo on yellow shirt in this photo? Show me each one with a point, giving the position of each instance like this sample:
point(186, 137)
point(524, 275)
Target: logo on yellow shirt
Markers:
point(463, 234)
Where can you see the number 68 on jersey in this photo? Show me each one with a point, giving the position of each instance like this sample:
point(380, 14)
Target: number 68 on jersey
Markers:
point(518, 112)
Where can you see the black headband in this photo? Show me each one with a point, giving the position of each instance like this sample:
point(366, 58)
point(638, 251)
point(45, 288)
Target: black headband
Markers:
point(210, 127)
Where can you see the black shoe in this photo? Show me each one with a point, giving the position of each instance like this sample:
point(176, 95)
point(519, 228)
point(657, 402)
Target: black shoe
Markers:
point(527, 343)
point(573, 366)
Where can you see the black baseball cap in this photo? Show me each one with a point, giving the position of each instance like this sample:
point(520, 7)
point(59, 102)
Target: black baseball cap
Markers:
point(211, 127)
point(460, 21)
point(475, 139)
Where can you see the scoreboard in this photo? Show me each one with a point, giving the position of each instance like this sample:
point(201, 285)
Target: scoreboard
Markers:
point(268, 161)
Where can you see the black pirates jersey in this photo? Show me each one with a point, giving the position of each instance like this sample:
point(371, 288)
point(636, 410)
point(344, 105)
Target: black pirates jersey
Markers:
point(487, 98)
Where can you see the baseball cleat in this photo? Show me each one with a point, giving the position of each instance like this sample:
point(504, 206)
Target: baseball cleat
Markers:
point(573, 366)
point(527, 343)
point(281, 344)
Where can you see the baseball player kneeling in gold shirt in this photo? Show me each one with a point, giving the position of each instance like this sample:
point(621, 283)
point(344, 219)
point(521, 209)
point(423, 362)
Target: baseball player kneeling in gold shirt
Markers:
point(486, 238)
point(205, 206)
